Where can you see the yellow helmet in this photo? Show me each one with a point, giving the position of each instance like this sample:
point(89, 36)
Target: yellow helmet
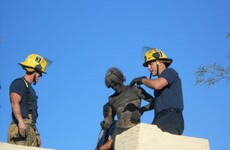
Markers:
point(155, 54)
point(34, 62)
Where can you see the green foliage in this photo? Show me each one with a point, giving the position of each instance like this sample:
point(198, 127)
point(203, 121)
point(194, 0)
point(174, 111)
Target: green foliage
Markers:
point(211, 74)
point(228, 34)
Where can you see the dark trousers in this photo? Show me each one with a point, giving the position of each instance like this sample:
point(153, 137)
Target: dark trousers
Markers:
point(170, 121)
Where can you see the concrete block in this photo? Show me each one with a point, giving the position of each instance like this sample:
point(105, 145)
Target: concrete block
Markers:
point(6, 146)
point(149, 137)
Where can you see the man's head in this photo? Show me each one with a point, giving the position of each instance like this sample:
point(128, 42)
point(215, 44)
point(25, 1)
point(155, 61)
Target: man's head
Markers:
point(34, 62)
point(34, 65)
point(154, 55)
point(114, 79)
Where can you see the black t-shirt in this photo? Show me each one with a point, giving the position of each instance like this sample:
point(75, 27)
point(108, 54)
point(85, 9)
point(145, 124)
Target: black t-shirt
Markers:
point(170, 96)
point(19, 86)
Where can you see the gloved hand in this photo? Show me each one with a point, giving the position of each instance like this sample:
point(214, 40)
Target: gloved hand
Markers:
point(135, 116)
point(137, 81)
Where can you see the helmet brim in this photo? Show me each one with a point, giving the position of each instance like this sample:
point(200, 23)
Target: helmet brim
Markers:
point(167, 61)
point(29, 67)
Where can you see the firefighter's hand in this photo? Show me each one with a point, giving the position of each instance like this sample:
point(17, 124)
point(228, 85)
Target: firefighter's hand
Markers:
point(22, 129)
point(39, 140)
point(137, 81)
point(135, 116)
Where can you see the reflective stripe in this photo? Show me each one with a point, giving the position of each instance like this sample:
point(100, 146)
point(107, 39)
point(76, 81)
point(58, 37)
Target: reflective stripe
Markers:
point(26, 83)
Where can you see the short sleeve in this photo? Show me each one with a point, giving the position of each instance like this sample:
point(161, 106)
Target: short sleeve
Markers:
point(18, 86)
point(169, 74)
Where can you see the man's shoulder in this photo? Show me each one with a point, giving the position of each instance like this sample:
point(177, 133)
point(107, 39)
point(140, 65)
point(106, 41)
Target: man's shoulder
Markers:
point(18, 86)
point(18, 81)
point(170, 71)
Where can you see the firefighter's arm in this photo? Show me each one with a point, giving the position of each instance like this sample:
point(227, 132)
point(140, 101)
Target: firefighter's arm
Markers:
point(156, 84)
point(15, 103)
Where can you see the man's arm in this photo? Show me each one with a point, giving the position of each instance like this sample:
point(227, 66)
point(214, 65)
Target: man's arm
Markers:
point(15, 103)
point(156, 84)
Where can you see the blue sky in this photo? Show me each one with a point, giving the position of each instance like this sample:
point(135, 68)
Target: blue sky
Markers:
point(85, 38)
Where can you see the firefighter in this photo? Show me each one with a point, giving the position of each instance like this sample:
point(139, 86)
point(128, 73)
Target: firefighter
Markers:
point(23, 98)
point(168, 95)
